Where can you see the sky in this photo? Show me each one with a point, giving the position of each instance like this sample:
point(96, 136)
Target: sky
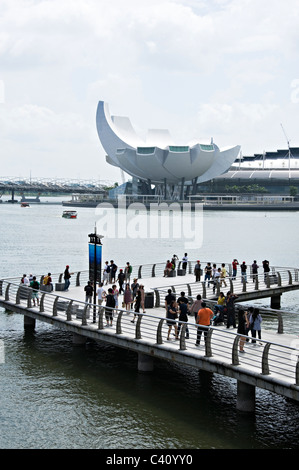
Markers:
point(226, 69)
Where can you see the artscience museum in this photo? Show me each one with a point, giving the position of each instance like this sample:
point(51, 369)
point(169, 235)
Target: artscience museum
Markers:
point(158, 160)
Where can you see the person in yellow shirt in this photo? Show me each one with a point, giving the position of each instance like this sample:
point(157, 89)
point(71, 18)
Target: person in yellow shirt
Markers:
point(203, 319)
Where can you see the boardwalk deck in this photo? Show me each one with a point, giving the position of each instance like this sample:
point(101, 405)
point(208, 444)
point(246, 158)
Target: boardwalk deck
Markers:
point(271, 363)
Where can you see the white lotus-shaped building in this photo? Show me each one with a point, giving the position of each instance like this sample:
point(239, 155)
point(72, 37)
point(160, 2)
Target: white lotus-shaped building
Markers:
point(158, 159)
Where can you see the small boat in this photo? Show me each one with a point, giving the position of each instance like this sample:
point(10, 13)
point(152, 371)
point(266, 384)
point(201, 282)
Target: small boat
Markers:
point(25, 204)
point(69, 214)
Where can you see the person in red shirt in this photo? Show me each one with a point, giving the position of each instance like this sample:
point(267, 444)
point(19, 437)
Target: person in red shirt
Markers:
point(203, 319)
point(235, 264)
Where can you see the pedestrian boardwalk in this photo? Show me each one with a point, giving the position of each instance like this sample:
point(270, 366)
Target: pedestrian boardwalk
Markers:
point(271, 363)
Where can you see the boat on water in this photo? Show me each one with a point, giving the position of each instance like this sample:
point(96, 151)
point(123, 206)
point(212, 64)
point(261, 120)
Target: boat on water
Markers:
point(69, 214)
point(25, 204)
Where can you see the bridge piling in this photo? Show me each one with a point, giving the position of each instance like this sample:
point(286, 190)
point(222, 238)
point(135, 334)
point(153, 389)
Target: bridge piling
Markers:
point(245, 397)
point(145, 363)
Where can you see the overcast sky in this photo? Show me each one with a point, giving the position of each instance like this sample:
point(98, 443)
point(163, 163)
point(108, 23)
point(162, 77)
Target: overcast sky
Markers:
point(226, 69)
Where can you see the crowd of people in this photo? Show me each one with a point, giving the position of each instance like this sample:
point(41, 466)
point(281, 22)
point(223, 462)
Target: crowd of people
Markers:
point(249, 321)
point(134, 297)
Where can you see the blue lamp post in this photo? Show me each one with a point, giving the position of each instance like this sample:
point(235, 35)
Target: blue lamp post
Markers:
point(95, 264)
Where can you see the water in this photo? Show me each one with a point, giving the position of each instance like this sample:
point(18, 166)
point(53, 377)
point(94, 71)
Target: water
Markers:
point(55, 395)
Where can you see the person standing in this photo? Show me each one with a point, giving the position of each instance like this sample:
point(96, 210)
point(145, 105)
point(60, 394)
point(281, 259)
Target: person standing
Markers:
point(67, 276)
point(110, 304)
point(196, 306)
point(116, 294)
point(134, 287)
point(121, 279)
point(128, 272)
point(197, 271)
point(254, 267)
point(185, 261)
point(266, 267)
point(34, 284)
point(223, 275)
point(256, 324)
point(235, 264)
point(106, 273)
point(101, 294)
point(170, 297)
point(243, 324)
point(230, 305)
point(88, 292)
point(204, 317)
point(142, 297)
point(137, 304)
point(113, 270)
point(244, 271)
point(128, 299)
point(208, 273)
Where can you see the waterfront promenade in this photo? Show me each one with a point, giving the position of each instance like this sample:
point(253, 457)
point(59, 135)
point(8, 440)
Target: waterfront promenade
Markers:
point(271, 363)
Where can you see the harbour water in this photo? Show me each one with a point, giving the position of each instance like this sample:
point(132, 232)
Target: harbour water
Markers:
point(55, 395)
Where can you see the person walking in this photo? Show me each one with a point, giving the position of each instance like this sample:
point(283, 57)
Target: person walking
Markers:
point(223, 275)
point(128, 272)
point(137, 304)
point(106, 273)
point(142, 297)
point(172, 314)
point(256, 324)
point(121, 279)
point(101, 294)
point(183, 316)
point(204, 317)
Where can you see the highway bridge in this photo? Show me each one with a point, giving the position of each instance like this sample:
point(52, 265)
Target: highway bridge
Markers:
point(39, 186)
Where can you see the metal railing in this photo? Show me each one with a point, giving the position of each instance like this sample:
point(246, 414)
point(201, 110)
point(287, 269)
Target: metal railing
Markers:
point(263, 357)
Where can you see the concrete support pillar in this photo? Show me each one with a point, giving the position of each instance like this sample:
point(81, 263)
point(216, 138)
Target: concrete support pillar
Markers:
point(275, 302)
point(29, 322)
point(78, 340)
point(145, 363)
point(246, 397)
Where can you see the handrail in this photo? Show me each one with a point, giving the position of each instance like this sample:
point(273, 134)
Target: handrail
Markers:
point(271, 358)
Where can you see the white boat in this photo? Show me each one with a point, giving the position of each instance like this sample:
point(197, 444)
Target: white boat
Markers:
point(69, 214)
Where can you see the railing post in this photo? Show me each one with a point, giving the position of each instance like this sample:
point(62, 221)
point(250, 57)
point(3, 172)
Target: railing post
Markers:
point(159, 332)
point(290, 278)
point(182, 337)
point(78, 279)
point(256, 282)
point(29, 305)
point(265, 360)
point(244, 285)
point(41, 304)
point(138, 327)
point(204, 290)
point(139, 272)
point(297, 373)
point(60, 277)
point(235, 355)
point(157, 294)
point(278, 279)
point(118, 323)
point(208, 343)
point(55, 313)
point(84, 315)
point(101, 316)
point(231, 285)
point(153, 271)
point(280, 324)
point(268, 281)
point(69, 311)
point(189, 290)
point(18, 296)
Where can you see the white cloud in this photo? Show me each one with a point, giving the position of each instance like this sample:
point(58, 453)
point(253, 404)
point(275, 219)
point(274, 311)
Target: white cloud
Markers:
point(221, 68)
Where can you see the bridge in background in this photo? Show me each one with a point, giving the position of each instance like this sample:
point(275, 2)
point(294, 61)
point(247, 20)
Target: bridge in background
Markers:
point(53, 186)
